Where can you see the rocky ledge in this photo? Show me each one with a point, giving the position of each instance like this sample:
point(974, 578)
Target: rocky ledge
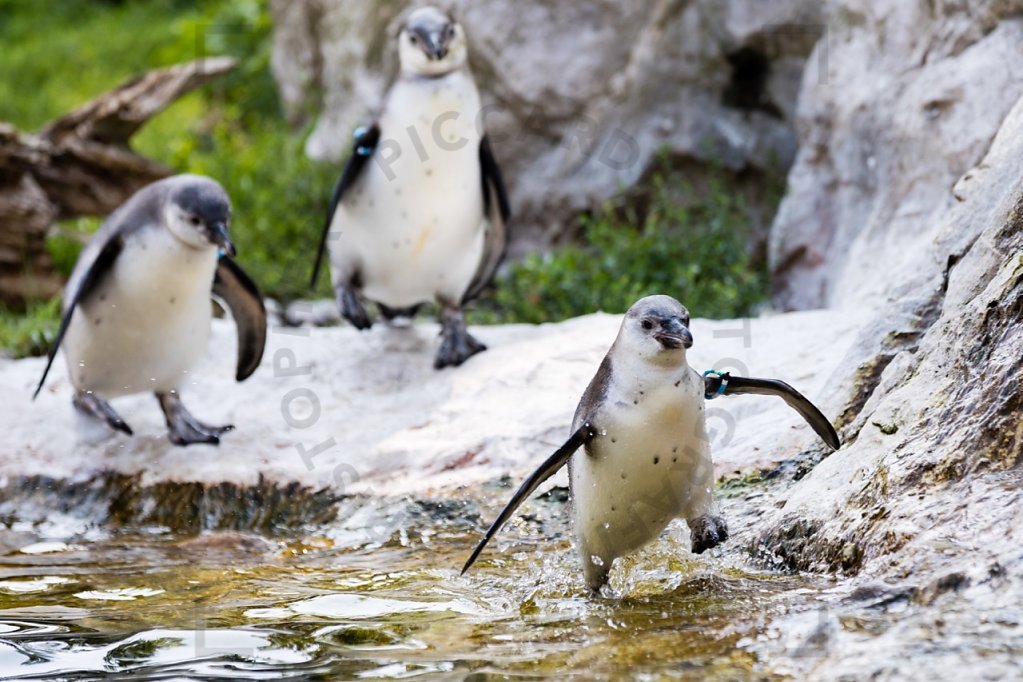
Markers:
point(334, 412)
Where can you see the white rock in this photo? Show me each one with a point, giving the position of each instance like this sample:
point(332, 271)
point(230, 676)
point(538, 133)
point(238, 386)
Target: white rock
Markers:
point(373, 416)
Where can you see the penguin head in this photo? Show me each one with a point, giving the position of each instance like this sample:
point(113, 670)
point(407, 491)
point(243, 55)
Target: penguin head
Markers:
point(198, 211)
point(431, 43)
point(656, 328)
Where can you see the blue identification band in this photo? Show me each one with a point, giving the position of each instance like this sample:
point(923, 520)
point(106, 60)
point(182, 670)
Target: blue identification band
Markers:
point(722, 387)
point(361, 150)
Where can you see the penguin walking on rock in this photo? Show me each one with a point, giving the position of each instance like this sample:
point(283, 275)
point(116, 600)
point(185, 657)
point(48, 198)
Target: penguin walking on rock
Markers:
point(420, 210)
point(645, 456)
point(137, 311)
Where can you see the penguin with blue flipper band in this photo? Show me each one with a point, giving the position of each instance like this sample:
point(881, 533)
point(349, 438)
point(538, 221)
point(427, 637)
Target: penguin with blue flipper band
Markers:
point(639, 454)
point(419, 213)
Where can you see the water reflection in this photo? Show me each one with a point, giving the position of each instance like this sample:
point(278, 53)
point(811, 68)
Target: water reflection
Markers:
point(149, 605)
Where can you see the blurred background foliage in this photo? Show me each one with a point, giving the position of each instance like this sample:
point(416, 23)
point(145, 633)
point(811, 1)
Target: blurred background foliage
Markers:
point(56, 55)
point(697, 244)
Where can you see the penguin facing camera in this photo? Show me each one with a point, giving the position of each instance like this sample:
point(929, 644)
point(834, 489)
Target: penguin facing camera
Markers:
point(645, 457)
point(420, 210)
point(136, 313)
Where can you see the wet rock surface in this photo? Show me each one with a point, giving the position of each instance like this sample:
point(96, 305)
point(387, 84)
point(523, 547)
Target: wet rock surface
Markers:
point(926, 494)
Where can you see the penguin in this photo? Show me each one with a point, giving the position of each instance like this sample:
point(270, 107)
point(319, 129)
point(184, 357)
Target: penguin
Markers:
point(419, 213)
point(136, 312)
point(645, 455)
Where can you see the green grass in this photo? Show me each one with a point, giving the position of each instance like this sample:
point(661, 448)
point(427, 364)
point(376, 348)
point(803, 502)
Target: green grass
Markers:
point(231, 130)
point(695, 246)
point(29, 332)
point(56, 56)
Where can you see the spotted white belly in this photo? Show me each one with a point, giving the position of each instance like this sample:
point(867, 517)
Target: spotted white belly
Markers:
point(649, 463)
point(411, 229)
point(147, 323)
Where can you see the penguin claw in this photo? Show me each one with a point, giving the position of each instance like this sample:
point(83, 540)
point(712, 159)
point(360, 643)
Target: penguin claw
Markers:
point(120, 425)
point(183, 428)
point(352, 309)
point(457, 346)
point(93, 406)
point(198, 433)
point(707, 531)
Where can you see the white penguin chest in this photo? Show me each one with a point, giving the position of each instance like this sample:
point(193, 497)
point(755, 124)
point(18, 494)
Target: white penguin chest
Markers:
point(649, 463)
point(412, 227)
point(147, 322)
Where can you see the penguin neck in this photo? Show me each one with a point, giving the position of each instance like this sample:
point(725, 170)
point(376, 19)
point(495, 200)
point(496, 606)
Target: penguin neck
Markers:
point(421, 77)
point(634, 372)
point(431, 106)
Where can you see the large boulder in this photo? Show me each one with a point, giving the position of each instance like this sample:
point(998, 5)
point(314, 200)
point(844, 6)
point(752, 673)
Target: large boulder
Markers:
point(580, 99)
point(924, 504)
point(911, 98)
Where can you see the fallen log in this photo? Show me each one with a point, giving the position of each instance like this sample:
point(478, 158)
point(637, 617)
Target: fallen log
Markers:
point(79, 165)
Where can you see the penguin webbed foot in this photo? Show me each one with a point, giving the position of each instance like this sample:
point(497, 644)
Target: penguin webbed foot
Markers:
point(457, 344)
point(183, 428)
point(352, 309)
point(707, 531)
point(94, 406)
point(596, 572)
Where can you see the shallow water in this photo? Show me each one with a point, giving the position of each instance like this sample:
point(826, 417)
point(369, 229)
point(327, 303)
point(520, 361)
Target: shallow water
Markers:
point(379, 596)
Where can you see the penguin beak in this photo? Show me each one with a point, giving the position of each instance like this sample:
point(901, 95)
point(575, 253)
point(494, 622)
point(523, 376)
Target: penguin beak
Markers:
point(218, 235)
point(674, 335)
point(436, 46)
point(433, 44)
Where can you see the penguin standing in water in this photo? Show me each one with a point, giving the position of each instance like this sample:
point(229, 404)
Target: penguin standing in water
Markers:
point(137, 306)
point(419, 212)
point(646, 455)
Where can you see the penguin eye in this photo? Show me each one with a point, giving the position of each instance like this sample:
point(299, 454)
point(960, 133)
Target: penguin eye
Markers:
point(449, 32)
point(647, 324)
point(413, 38)
point(194, 220)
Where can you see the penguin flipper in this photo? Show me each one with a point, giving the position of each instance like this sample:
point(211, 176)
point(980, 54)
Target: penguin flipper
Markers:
point(232, 286)
point(497, 211)
point(100, 265)
point(796, 400)
point(493, 180)
point(550, 467)
point(362, 150)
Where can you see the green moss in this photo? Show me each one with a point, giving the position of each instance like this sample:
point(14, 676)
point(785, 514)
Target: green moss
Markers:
point(740, 484)
point(886, 429)
point(185, 506)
